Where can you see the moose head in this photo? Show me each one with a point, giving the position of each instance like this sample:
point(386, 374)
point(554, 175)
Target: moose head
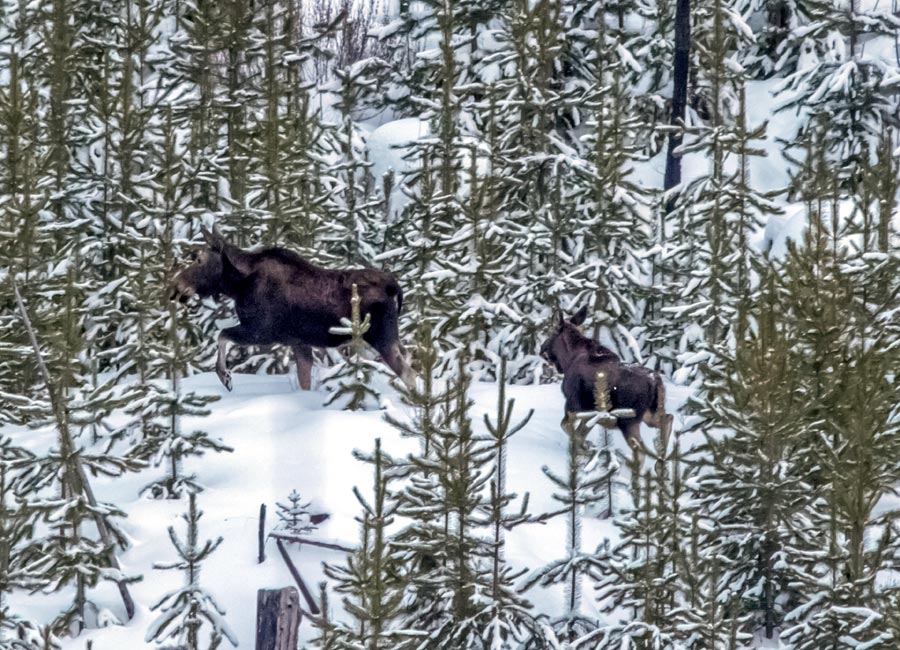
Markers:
point(565, 340)
point(203, 277)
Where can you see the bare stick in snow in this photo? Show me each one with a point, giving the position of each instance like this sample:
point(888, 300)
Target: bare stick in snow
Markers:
point(307, 596)
point(262, 533)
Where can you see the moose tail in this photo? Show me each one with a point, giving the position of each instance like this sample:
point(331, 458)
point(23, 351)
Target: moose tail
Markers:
point(394, 291)
point(656, 414)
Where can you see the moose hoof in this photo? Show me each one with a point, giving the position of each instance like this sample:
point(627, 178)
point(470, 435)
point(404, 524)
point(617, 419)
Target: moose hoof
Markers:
point(225, 378)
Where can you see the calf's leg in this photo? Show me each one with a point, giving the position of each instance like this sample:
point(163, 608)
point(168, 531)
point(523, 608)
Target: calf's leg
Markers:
point(304, 357)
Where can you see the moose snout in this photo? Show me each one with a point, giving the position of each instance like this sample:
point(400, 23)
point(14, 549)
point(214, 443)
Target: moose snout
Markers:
point(545, 351)
point(180, 292)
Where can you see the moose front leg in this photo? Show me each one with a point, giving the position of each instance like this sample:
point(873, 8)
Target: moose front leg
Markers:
point(303, 355)
point(221, 364)
point(239, 335)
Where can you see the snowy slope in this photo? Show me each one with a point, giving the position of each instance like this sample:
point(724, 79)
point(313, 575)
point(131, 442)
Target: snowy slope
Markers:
point(284, 439)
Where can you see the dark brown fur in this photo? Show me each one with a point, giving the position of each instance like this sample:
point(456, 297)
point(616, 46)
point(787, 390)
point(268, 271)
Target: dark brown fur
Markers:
point(280, 297)
point(580, 358)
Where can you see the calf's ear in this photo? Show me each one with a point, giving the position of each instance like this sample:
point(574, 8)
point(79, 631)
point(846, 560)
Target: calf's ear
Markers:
point(580, 316)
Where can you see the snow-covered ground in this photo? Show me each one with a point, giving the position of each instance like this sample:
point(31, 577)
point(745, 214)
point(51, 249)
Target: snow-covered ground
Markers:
point(284, 439)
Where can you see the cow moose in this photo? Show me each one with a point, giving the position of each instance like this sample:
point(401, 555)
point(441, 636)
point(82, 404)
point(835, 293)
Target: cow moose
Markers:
point(580, 358)
point(280, 297)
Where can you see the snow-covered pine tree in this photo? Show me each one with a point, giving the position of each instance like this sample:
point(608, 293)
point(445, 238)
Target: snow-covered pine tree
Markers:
point(821, 297)
point(447, 550)
point(708, 615)
point(24, 246)
point(294, 517)
point(538, 155)
point(848, 346)
point(716, 213)
point(844, 604)
point(185, 611)
point(372, 579)
point(646, 571)
point(71, 553)
point(611, 224)
point(833, 80)
point(158, 433)
point(18, 550)
point(652, 48)
point(434, 86)
point(166, 442)
point(328, 637)
point(506, 618)
point(426, 399)
point(420, 545)
point(350, 382)
point(577, 489)
point(483, 247)
point(442, 548)
point(354, 230)
point(639, 577)
point(754, 503)
point(192, 50)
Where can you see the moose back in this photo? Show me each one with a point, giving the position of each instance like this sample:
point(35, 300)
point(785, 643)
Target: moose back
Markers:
point(280, 297)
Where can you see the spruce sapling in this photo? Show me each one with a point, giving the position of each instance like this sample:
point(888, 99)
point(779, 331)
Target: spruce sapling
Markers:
point(350, 382)
point(184, 612)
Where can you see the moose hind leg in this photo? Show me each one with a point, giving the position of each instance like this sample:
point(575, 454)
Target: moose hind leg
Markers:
point(631, 428)
point(304, 357)
point(393, 357)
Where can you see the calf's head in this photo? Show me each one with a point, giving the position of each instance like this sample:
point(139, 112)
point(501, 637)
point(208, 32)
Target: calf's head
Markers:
point(565, 341)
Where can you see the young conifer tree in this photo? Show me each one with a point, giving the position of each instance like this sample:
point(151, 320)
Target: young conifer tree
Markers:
point(24, 246)
point(611, 227)
point(639, 576)
point(838, 303)
point(294, 517)
point(350, 382)
point(356, 227)
point(72, 554)
point(372, 579)
point(716, 214)
point(159, 434)
point(501, 616)
point(754, 502)
point(830, 75)
point(18, 550)
point(640, 580)
point(577, 490)
point(185, 611)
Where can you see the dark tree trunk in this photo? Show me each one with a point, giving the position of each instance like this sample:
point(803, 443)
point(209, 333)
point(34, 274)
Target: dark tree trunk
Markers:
point(679, 93)
point(277, 619)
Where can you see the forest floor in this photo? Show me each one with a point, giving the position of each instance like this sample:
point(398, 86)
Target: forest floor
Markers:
point(284, 439)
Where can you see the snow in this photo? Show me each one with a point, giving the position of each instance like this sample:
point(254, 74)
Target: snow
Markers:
point(284, 439)
point(388, 147)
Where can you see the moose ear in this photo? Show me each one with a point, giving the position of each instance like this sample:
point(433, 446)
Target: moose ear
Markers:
point(213, 239)
point(580, 316)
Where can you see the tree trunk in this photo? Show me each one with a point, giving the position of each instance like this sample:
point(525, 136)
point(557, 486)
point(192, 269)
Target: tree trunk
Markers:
point(679, 94)
point(277, 619)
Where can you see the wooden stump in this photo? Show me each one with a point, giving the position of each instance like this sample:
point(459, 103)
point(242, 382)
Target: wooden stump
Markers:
point(277, 619)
